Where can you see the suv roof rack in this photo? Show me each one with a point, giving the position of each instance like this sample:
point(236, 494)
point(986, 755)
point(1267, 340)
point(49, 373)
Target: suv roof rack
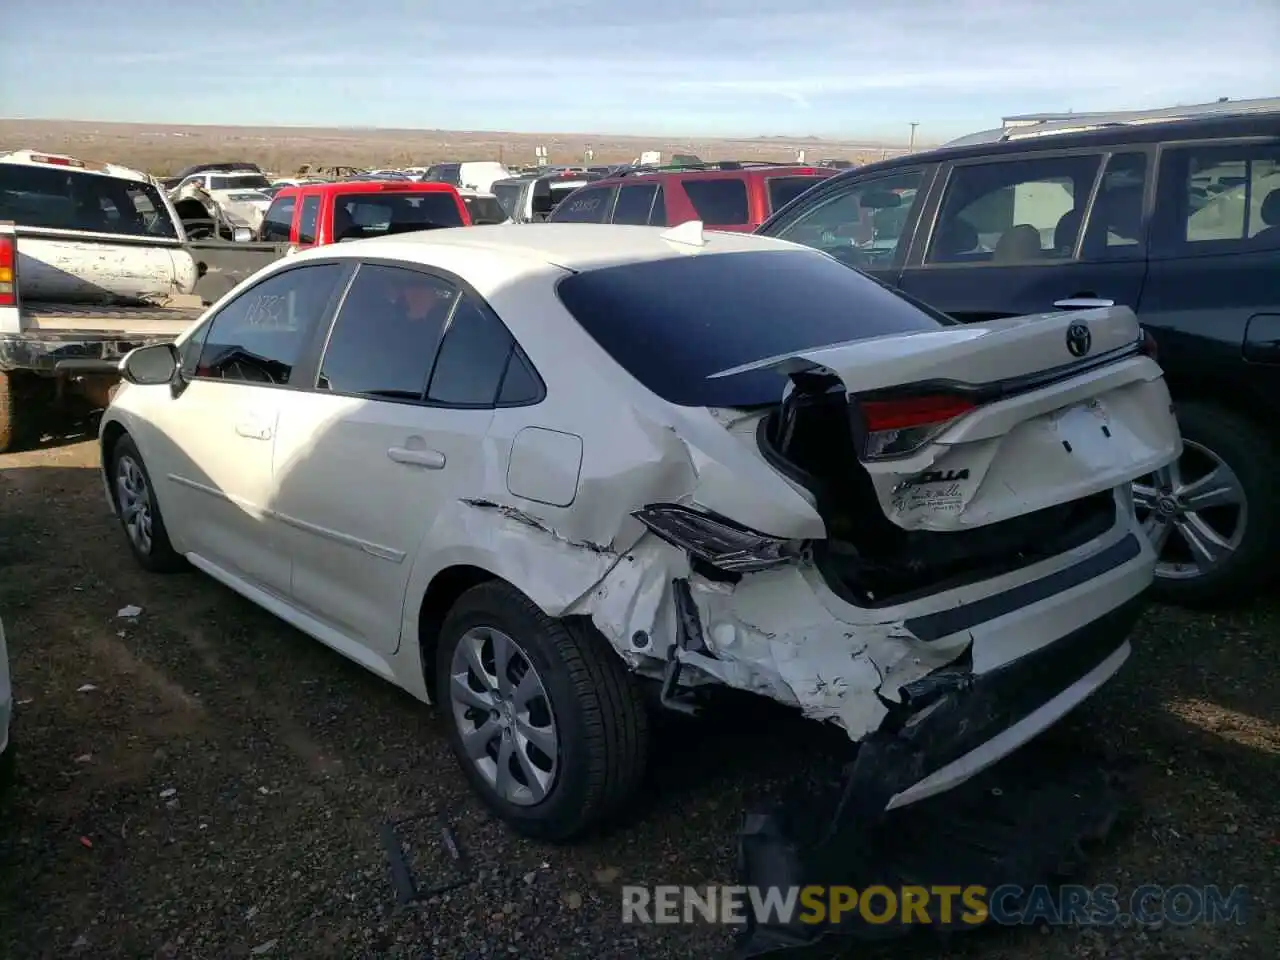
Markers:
point(639, 168)
point(1032, 126)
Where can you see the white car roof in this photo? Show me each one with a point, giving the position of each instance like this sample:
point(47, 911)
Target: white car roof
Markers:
point(571, 246)
point(42, 158)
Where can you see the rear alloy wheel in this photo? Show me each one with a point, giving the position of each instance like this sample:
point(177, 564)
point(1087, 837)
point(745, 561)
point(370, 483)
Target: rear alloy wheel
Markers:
point(548, 726)
point(1210, 514)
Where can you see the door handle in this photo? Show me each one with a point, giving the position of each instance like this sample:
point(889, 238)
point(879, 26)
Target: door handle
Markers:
point(431, 459)
point(1083, 303)
point(253, 430)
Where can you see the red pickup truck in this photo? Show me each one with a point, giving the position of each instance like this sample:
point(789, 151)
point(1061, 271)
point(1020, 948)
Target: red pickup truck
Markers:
point(318, 213)
point(315, 214)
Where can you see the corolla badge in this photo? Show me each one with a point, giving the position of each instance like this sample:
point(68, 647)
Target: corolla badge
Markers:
point(1079, 339)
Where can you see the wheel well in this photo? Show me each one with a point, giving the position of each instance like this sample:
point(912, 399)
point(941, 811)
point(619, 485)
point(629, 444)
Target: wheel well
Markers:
point(111, 435)
point(442, 593)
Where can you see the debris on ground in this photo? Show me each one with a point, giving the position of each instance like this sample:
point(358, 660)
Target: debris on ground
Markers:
point(129, 612)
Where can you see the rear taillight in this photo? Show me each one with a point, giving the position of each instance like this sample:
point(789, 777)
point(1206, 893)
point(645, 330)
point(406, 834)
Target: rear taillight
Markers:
point(898, 426)
point(8, 266)
point(717, 541)
point(1147, 344)
point(56, 161)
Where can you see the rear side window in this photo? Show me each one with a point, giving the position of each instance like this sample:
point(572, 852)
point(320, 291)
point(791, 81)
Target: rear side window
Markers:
point(307, 222)
point(719, 202)
point(782, 190)
point(360, 215)
point(473, 358)
point(1222, 199)
point(385, 337)
point(672, 323)
point(587, 205)
point(277, 223)
point(62, 198)
point(634, 204)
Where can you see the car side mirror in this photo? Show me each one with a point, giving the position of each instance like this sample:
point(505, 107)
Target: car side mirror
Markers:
point(242, 235)
point(881, 200)
point(150, 365)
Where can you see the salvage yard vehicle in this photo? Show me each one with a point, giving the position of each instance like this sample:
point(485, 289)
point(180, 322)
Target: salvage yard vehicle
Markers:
point(732, 195)
point(92, 264)
point(519, 470)
point(1117, 212)
point(531, 198)
point(317, 214)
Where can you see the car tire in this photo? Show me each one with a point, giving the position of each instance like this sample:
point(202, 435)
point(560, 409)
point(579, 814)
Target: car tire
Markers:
point(599, 726)
point(139, 511)
point(14, 419)
point(1212, 432)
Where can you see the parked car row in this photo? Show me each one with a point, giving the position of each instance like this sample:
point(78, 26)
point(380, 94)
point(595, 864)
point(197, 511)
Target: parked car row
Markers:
point(890, 446)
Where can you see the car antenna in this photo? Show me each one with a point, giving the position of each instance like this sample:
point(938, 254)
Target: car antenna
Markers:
point(688, 233)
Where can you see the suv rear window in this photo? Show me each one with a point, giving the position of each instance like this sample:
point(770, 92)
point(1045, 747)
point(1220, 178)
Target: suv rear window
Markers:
point(672, 323)
point(359, 215)
point(720, 202)
point(62, 198)
point(782, 190)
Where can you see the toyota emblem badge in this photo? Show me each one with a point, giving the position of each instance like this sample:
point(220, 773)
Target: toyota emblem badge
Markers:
point(1079, 339)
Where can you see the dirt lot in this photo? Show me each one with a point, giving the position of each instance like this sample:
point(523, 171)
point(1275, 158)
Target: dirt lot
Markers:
point(283, 760)
point(162, 150)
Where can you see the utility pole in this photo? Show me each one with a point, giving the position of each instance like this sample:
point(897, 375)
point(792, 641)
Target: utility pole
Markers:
point(911, 146)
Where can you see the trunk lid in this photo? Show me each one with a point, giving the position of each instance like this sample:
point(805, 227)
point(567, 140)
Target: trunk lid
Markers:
point(971, 425)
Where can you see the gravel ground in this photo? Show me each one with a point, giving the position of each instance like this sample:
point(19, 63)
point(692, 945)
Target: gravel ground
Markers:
point(202, 781)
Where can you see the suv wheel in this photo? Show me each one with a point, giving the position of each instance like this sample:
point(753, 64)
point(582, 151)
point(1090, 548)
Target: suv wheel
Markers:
point(547, 724)
point(1211, 514)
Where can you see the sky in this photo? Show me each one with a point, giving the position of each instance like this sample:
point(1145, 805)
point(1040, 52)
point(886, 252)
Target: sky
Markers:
point(831, 68)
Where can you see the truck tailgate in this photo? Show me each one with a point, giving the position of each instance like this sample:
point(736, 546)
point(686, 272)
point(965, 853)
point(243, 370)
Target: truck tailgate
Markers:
point(122, 321)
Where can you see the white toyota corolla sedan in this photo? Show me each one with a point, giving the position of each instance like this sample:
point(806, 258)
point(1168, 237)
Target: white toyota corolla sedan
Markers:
point(527, 471)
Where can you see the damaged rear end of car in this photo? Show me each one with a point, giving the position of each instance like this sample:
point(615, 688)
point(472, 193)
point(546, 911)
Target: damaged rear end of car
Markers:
point(918, 530)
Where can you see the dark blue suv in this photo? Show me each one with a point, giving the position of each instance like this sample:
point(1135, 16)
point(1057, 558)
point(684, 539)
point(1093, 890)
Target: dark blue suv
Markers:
point(1179, 220)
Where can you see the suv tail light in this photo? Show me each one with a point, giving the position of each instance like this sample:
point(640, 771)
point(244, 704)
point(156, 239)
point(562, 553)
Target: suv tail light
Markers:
point(56, 161)
point(8, 270)
point(895, 427)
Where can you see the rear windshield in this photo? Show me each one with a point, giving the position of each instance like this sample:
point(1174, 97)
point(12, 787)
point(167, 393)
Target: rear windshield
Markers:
point(62, 198)
point(509, 195)
point(672, 323)
point(359, 215)
point(782, 190)
point(241, 181)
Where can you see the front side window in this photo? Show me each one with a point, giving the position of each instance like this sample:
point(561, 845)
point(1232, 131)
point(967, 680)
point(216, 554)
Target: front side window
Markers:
point(719, 202)
point(587, 205)
point(863, 225)
point(385, 337)
point(1016, 212)
point(277, 222)
point(634, 204)
point(260, 335)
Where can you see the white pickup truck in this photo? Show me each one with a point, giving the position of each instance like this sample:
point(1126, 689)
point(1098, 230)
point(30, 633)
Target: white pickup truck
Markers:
point(93, 262)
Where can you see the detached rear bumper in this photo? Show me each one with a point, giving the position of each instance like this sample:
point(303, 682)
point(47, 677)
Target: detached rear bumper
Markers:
point(955, 724)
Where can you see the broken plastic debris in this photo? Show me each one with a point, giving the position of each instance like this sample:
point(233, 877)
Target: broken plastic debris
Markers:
point(86, 843)
point(86, 688)
point(168, 792)
point(129, 612)
point(262, 948)
point(264, 790)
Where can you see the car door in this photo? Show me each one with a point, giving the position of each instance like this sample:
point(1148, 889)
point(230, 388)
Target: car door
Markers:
point(392, 429)
point(1010, 235)
point(214, 436)
point(865, 222)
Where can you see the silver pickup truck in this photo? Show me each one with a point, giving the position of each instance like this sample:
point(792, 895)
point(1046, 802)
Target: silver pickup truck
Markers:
point(93, 262)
